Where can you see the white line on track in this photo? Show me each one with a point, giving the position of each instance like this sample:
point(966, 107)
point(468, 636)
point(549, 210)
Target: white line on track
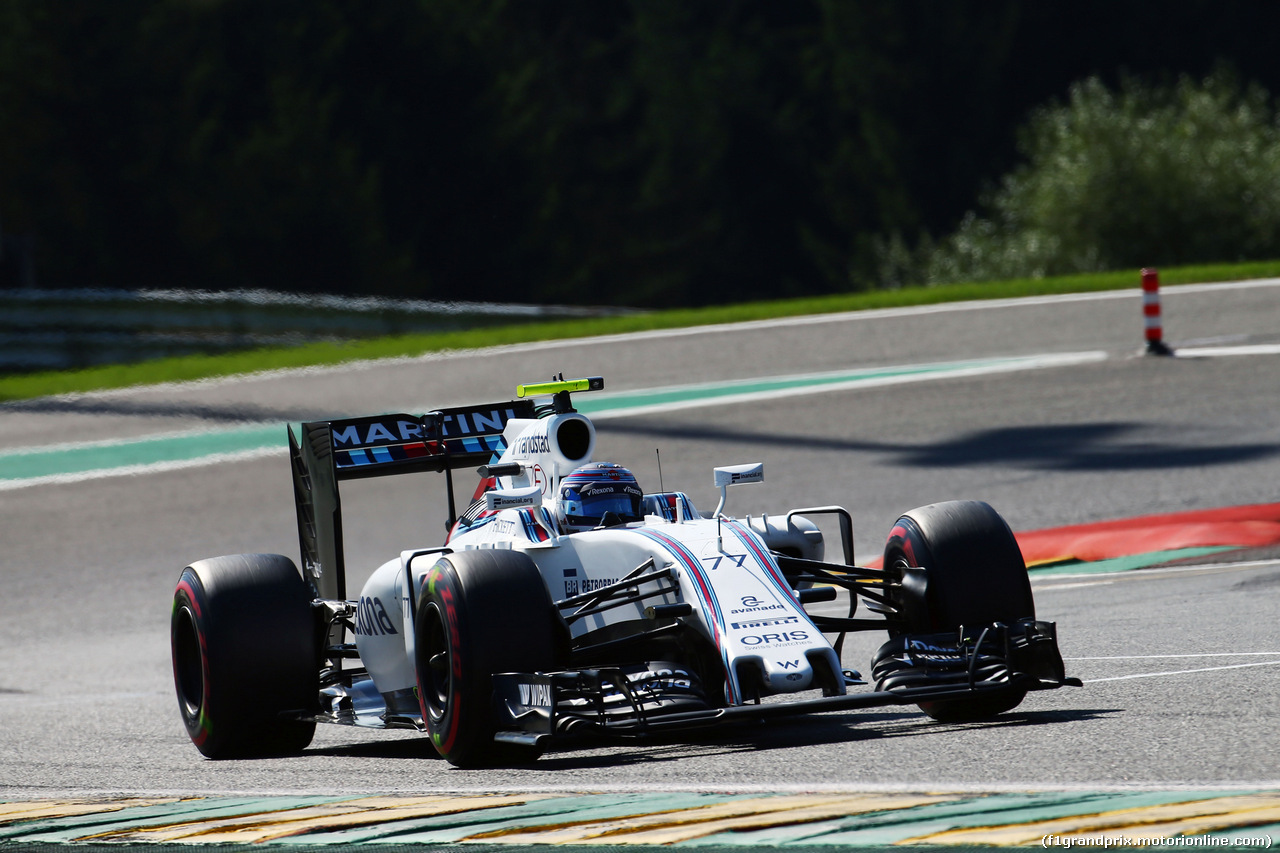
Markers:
point(1192, 655)
point(1057, 586)
point(1210, 352)
point(1181, 672)
point(337, 789)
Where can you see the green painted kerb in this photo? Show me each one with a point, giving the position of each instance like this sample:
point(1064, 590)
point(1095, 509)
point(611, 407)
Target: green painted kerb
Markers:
point(709, 821)
point(81, 458)
point(599, 404)
point(1133, 561)
point(107, 456)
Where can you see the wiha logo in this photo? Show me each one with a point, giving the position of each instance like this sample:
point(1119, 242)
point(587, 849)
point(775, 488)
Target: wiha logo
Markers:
point(922, 646)
point(923, 651)
point(535, 695)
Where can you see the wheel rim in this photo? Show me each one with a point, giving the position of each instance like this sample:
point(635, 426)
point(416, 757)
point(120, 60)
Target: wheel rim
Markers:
point(894, 593)
point(437, 672)
point(188, 664)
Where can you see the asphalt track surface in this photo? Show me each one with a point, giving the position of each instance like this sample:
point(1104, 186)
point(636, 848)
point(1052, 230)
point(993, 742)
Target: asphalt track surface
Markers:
point(1181, 664)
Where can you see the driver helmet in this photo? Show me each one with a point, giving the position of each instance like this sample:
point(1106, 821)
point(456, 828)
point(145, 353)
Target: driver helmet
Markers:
point(589, 493)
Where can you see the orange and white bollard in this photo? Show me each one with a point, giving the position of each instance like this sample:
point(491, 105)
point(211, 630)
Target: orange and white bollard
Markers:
point(1151, 313)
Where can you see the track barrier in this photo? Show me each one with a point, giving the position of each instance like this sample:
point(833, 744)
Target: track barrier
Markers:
point(1151, 313)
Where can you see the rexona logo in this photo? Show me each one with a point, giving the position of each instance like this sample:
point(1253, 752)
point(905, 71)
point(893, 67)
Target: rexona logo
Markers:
point(660, 680)
point(372, 619)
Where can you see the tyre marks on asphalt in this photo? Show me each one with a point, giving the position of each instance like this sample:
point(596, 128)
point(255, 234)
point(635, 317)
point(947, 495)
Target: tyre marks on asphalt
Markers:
point(833, 820)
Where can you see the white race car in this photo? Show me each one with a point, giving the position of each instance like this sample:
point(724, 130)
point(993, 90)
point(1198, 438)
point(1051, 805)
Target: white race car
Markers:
point(566, 600)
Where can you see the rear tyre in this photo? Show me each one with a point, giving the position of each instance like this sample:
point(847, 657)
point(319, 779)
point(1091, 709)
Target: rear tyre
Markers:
point(244, 656)
point(976, 576)
point(479, 613)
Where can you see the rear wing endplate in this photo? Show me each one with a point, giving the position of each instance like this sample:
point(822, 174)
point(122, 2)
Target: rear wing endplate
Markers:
point(324, 453)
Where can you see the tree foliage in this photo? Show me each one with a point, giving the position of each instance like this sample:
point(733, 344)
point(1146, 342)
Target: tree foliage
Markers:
point(636, 152)
point(1142, 175)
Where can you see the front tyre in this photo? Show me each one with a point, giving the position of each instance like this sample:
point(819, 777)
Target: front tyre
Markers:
point(479, 613)
point(244, 656)
point(975, 576)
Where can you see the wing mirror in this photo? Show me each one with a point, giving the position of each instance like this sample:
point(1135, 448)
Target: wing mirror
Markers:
point(736, 475)
point(496, 499)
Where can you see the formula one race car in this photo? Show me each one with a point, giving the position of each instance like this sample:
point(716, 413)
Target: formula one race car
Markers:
point(566, 600)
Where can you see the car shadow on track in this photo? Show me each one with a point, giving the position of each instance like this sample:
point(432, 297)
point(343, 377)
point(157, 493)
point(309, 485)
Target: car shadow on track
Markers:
point(1107, 446)
point(416, 748)
point(586, 753)
point(824, 730)
point(237, 414)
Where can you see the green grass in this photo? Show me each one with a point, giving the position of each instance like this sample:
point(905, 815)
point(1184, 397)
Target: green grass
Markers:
point(30, 385)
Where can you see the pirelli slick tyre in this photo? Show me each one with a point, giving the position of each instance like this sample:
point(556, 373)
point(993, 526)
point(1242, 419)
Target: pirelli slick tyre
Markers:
point(975, 576)
point(244, 656)
point(479, 613)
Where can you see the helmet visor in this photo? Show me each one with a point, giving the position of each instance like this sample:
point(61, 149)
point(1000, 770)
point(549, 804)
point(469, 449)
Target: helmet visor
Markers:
point(590, 508)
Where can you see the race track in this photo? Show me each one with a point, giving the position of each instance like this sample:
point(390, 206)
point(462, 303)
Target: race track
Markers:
point(1041, 407)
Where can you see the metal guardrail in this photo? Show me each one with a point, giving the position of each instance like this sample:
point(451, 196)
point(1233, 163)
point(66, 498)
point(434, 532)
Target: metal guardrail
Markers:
point(60, 329)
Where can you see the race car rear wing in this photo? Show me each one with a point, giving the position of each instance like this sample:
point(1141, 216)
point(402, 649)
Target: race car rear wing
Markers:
point(324, 453)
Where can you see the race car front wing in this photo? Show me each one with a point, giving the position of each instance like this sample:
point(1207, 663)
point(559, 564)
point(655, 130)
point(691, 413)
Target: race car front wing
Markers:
point(535, 708)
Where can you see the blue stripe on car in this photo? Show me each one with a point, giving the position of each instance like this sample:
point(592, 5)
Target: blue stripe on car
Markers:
point(708, 595)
